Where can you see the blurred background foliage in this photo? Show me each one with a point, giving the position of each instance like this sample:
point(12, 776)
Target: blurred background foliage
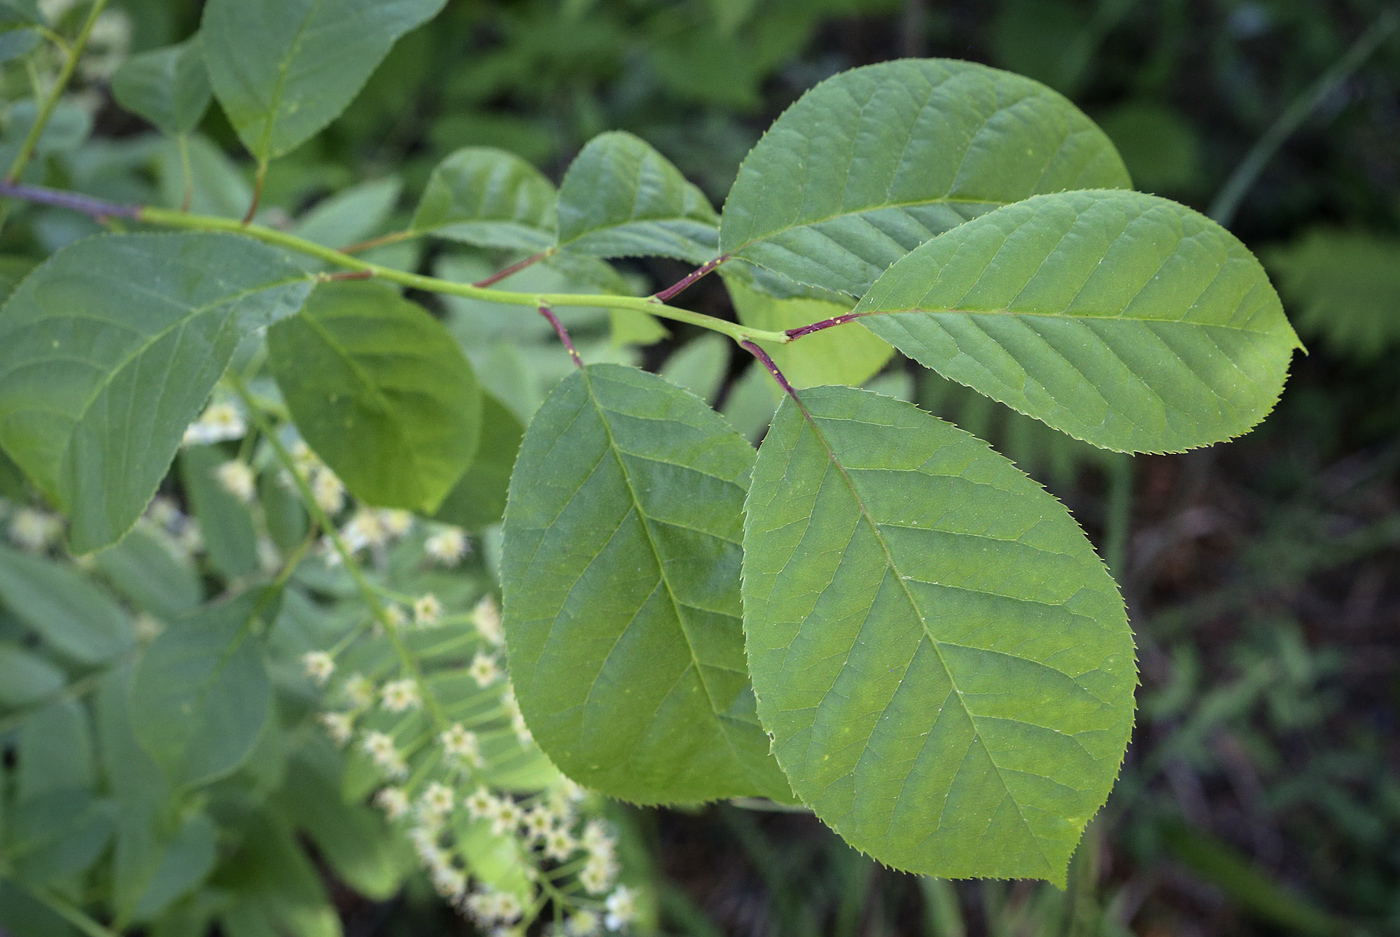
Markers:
point(1261, 794)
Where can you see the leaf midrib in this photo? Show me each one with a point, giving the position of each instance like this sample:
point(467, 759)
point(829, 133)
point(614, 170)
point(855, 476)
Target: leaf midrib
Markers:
point(676, 604)
point(914, 605)
point(279, 89)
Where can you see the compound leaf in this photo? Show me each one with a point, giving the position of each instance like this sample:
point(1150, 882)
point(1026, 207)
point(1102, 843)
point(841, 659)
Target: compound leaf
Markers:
point(169, 86)
point(109, 350)
point(873, 162)
point(943, 662)
point(283, 69)
point(381, 391)
point(1123, 319)
point(72, 615)
point(621, 593)
point(621, 198)
point(200, 694)
point(489, 198)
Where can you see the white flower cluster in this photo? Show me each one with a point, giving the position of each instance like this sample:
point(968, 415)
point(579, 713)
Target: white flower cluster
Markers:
point(219, 422)
point(238, 479)
point(34, 530)
point(447, 546)
point(384, 753)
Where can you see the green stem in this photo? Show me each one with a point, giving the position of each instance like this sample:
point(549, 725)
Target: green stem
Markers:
point(177, 219)
point(65, 74)
point(1242, 179)
point(71, 913)
point(407, 661)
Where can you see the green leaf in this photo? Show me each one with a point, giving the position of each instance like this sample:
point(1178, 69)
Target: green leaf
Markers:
point(283, 69)
point(621, 198)
point(700, 366)
point(59, 835)
point(831, 356)
point(18, 13)
point(873, 162)
point(350, 216)
point(73, 616)
point(225, 522)
point(200, 694)
point(381, 391)
point(1122, 319)
point(55, 750)
point(25, 677)
point(1344, 287)
point(942, 660)
point(479, 498)
point(621, 593)
point(489, 198)
point(175, 865)
point(109, 350)
point(275, 889)
point(169, 86)
point(144, 570)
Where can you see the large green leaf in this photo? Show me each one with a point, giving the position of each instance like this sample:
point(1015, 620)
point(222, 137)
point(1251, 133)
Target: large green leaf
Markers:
point(73, 616)
point(873, 162)
point(25, 677)
point(479, 497)
point(621, 198)
point(169, 86)
point(620, 579)
point(283, 69)
point(109, 350)
point(489, 198)
point(200, 694)
point(831, 356)
point(144, 570)
point(1123, 319)
point(942, 660)
point(381, 391)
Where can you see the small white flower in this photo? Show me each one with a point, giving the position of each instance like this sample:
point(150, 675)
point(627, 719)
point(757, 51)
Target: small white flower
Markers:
point(450, 882)
point(364, 529)
point(401, 695)
point(339, 726)
point(597, 876)
point(426, 610)
point(484, 670)
point(559, 844)
point(304, 459)
point(487, 619)
point(396, 522)
point(328, 491)
point(459, 744)
point(381, 749)
point(163, 512)
point(318, 666)
point(218, 423)
point(447, 546)
point(537, 821)
point(480, 803)
point(437, 802)
point(237, 479)
point(359, 690)
point(600, 845)
point(506, 818)
point(393, 801)
point(508, 907)
point(582, 923)
point(622, 908)
point(34, 530)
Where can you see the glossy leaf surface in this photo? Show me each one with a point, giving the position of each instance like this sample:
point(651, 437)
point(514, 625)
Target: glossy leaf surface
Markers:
point(1123, 319)
point(489, 198)
point(169, 86)
point(621, 198)
point(943, 661)
point(381, 391)
point(283, 69)
point(620, 578)
point(110, 349)
point(200, 694)
point(873, 162)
